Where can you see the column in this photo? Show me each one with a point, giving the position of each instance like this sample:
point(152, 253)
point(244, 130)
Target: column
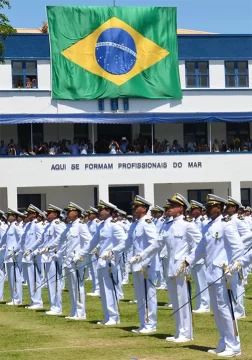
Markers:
point(12, 197)
point(103, 192)
point(149, 192)
point(236, 190)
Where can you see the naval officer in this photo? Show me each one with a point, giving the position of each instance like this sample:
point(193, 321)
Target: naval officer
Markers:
point(3, 228)
point(219, 246)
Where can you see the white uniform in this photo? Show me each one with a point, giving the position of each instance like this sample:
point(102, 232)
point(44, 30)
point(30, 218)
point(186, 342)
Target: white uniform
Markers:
point(3, 228)
point(109, 234)
point(142, 233)
point(92, 259)
point(73, 239)
point(159, 266)
point(123, 266)
point(199, 275)
point(31, 239)
point(52, 231)
point(178, 235)
point(220, 245)
point(238, 280)
point(12, 237)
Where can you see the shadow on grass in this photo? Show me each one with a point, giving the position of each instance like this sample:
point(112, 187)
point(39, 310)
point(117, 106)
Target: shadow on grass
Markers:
point(22, 306)
point(94, 322)
point(197, 347)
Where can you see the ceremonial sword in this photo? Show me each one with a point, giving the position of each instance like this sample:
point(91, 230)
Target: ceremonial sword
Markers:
point(114, 285)
point(230, 301)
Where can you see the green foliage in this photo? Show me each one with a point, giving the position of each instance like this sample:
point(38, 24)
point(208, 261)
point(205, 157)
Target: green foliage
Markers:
point(5, 28)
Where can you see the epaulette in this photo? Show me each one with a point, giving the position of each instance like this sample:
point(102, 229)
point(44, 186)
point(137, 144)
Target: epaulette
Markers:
point(188, 219)
point(57, 222)
point(148, 221)
point(36, 222)
point(240, 217)
point(82, 222)
point(162, 219)
point(202, 219)
point(98, 220)
point(17, 224)
point(113, 221)
point(43, 223)
point(226, 219)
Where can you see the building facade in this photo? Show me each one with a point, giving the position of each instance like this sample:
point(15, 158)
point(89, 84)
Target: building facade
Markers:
point(216, 78)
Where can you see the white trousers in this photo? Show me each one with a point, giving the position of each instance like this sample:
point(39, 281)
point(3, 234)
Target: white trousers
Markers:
point(139, 287)
point(126, 256)
point(223, 319)
point(92, 263)
point(238, 290)
point(54, 287)
point(179, 295)
point(2, 279)
point(107, 293)
point(76, 290)
point(15, 281)
point(32, 272)
point(199, 277)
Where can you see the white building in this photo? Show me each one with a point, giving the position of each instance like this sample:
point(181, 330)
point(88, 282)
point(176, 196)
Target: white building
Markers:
point(216, 78)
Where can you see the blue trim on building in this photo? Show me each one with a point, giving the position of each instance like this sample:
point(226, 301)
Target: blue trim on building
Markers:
point(190, 47)
point(126, 118)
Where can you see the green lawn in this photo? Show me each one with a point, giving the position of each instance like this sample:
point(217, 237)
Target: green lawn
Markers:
point(26, 334)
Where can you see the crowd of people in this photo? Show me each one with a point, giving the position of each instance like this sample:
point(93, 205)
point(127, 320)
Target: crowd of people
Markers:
point(210, 242)
point(139, 145)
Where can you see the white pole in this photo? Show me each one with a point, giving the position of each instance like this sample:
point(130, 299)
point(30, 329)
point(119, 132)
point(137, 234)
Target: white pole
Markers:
point(93, 138)
point(31, 138)
point(114, 2)
point(152, 138)
point(210, 137)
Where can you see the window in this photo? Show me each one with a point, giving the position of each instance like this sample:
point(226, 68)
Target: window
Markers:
point(81, 131)
point(197, 74)
point(24, 75)
point(25, 199)
point(245, 197)
point(197, 132)
point(237, 130)
point(24, 134)
point(236, 73)
point(198, 195)
point(114, 104)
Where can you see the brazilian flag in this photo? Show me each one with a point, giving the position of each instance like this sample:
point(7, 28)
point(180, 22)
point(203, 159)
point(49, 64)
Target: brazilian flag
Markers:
point(111, 52)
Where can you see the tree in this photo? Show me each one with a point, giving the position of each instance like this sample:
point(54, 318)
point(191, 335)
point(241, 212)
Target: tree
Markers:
point(5, 28)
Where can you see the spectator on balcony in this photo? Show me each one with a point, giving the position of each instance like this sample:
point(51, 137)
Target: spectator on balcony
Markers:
point(75, 148)
point(114, 148)
point(223, 146)
point(175, 146)
point(3, 148)
point(43, 149)
point(146, 147)
point(28, 83)
point(191, 146)
point(11, 150)
point(34, 83)
point(18, 149)
point(83, 147)
point(63, 149)
point(165, 146)
point(137, 147)
point(52, 148)
point(124, 144)
point(20, 84)
point(24, 153)
point(216, 146)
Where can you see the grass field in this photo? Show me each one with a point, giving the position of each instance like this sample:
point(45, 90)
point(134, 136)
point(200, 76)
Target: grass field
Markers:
point(27, 334)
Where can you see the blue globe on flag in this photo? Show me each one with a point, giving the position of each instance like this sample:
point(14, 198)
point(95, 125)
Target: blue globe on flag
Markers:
point(116, 51)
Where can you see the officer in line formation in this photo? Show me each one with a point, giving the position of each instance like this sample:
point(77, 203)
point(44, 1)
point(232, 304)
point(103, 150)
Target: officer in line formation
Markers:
point(211, 248)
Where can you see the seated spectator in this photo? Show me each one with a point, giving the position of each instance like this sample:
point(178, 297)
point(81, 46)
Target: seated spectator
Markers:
point(137, 147)
point(63, 149)
point(24, 153)
point(114, 148)
point(43, 150)
point(83, 148)
point(223, 146)
point(124, 144)
point(191, 146)
point(146, 147)
point(175, 146)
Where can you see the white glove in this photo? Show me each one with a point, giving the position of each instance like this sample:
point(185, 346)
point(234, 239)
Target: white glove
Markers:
point(11, 254)
point(234, 267)
point(182, 268)
point(44, 250)
point(135, 259)
point(27, 252)
point(55, 257)
point(2, 248)
point(106, 255)
point(77, 257)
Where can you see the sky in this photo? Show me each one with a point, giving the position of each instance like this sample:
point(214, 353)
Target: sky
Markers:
point(220, 16)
